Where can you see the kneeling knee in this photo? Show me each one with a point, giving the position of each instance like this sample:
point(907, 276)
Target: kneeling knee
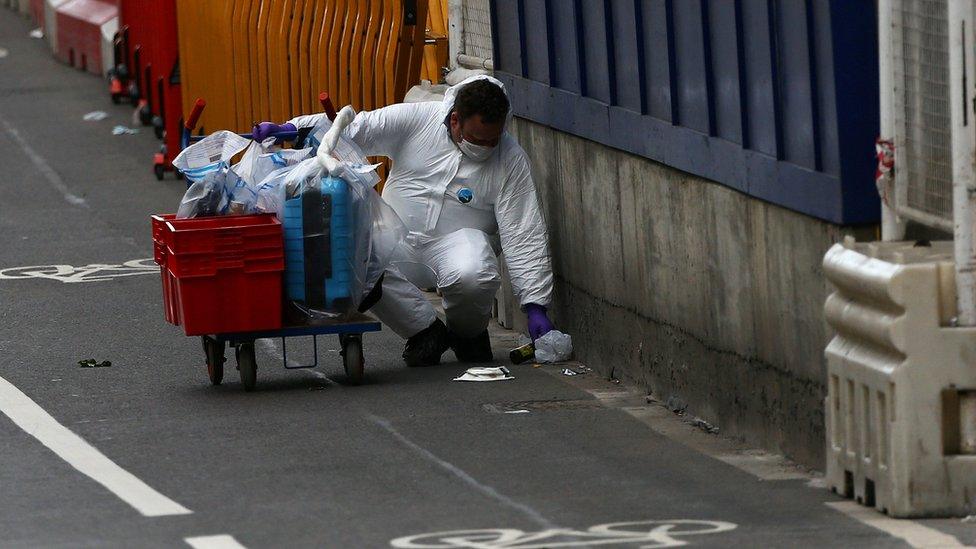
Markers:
point(472, 279)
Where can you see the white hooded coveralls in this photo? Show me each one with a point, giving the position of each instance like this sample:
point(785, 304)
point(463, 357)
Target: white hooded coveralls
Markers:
point(452, 245)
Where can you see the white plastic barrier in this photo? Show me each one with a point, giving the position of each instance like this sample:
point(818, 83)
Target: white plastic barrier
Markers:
point(109, 28)
point(51, 22)
point(901, 395)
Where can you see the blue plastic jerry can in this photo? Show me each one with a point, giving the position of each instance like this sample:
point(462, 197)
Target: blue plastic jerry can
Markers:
point(319, 246)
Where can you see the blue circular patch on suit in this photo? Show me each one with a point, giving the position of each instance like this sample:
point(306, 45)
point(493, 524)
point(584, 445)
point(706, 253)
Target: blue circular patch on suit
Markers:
point(465, 195)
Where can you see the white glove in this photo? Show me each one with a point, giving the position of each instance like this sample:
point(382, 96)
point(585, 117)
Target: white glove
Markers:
point(324, 155)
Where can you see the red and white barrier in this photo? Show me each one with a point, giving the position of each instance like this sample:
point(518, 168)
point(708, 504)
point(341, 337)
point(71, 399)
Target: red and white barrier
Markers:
point(79, 38)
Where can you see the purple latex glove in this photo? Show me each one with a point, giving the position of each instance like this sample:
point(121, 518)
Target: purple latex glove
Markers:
point(539, 323)
point(264, 130)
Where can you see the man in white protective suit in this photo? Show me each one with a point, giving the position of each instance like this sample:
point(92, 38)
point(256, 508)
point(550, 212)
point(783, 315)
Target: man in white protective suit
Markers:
point(462, 186)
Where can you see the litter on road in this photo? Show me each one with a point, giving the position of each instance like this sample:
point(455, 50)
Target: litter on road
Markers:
point(500, 373)
point(704, 426)
point(4, 53)
point(554, 346)
point(37, 33)
point(92, 363)
point(121, 130)
point(95, 116)
point(568, 372)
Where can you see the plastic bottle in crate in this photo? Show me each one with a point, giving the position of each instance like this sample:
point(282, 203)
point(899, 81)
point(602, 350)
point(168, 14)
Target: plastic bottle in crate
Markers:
point(318, 246)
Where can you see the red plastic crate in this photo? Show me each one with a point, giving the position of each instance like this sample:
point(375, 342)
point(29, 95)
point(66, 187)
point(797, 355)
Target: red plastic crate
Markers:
point(220, 274)
point(170, 310)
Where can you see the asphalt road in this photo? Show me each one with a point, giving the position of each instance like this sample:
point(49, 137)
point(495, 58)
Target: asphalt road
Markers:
point(306, 460)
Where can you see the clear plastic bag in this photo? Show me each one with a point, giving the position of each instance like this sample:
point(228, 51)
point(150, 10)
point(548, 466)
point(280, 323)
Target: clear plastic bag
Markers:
point(206, 197)
point(554, 346)
point(211, 154)
point(221, 190)
point(261, 159)
point(339, 234)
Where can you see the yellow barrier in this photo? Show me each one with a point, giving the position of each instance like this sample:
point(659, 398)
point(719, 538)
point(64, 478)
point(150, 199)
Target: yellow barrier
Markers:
point(255, 60)
point(436, 45)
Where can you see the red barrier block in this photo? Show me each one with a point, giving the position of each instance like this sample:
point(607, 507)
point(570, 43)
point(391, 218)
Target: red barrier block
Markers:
point(37, 12)
point(79, 31)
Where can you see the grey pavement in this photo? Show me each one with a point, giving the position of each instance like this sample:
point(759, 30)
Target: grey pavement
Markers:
point(307, 460)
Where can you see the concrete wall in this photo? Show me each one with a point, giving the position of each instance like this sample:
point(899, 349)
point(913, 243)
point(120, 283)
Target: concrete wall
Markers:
point(688, 288)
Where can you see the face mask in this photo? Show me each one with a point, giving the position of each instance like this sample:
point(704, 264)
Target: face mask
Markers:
point(478, 153)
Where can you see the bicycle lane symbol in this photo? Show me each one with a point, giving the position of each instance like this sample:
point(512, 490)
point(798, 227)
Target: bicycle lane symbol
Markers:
point(645, 534)
point(96, 272)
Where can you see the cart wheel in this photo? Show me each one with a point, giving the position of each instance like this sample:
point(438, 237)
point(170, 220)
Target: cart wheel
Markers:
point(352, 358)
point(215, 359)
point(247, 365)
point(160, 171)
point(145, 115)
point(157, 124)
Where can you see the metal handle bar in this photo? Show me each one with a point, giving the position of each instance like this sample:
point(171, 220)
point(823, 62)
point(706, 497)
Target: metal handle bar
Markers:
point(282, 136)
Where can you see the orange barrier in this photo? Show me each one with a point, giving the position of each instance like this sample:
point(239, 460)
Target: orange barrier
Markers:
point(436, 43)
point(257, 60)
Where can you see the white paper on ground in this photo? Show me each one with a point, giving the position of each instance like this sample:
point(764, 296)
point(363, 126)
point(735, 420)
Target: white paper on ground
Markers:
point(486, 374)
point(37, 33)
point(95, 116)
point(122, 130)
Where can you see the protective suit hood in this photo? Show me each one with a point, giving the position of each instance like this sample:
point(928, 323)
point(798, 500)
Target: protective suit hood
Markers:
point(447, 104)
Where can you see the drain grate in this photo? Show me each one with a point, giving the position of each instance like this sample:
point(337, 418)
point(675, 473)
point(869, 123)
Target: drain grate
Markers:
point(542, 406)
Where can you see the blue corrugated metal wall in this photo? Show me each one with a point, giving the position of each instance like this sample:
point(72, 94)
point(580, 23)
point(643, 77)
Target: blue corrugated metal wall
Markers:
point(775, 98)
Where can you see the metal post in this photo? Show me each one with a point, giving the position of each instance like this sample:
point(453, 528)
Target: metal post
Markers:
point(961, 96)
point(962, 78)
point(455, 31)
point(892, 228)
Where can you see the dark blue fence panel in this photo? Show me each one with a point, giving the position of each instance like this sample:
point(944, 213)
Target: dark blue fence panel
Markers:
point(627, 53)
point(694, 97)
point(775, 99)
point(537, 42)
point(725, 66)
point(658, 48)
point(796, 84)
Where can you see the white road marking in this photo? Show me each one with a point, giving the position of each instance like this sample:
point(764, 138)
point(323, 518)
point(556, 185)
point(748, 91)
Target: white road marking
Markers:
point(270, 347)
point(222, 541)
point(26, 414)
point(909, 531)
point(96, 272)
point(42, 166)
point(647, 534)
point(488, 491)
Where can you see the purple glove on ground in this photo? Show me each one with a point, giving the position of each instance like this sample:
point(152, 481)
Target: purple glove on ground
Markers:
point(539, 323)
point(264, 130)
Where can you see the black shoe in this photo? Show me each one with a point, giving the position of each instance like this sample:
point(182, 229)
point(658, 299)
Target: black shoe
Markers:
point(472, 349)
point(426, 347)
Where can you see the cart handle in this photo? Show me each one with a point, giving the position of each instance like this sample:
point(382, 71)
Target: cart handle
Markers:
point(282, 136)
point(327, 105)
point(195, 114)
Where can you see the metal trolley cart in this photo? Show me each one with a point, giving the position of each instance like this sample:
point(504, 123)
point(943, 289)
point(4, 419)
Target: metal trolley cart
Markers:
point(222, 281)
point(350, 330)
